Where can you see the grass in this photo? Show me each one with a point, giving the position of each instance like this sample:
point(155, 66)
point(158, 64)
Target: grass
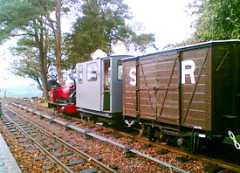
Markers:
point(44, 104)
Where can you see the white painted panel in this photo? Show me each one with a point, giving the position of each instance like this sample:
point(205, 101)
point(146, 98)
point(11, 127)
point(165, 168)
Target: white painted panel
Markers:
point(89, 90)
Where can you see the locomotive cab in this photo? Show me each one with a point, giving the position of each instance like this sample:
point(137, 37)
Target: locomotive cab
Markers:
point(52, 92)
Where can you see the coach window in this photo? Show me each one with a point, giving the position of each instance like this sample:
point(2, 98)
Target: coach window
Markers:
point(120, 70)
point(80, 74)
point(92, 71)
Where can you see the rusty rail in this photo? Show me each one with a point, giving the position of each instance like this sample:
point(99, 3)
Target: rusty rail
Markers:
point(100, 165)
point(103, 139)
point(39, 146)
point(217, 162)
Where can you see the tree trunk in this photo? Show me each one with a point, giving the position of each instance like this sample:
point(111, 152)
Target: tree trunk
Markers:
point(38, 80)
point(39, 36)
point(58, 41)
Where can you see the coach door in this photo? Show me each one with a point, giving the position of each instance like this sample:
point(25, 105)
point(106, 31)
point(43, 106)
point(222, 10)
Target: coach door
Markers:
point(89, 89)
point(106, 85)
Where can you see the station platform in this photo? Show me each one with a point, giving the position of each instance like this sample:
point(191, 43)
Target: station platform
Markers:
point(8, 163)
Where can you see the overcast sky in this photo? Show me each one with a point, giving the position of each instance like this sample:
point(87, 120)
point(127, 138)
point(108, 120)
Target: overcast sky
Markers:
point(167, 19)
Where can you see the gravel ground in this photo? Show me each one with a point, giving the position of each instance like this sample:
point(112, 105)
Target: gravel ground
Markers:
point(26, 155)
point(123, 162)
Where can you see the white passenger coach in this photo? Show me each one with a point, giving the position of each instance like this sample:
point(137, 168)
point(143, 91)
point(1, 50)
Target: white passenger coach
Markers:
point(99, 86)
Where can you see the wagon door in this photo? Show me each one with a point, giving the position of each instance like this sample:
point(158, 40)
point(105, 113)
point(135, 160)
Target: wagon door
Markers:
point(129, 88)
point(196, 88)
point(158, 88)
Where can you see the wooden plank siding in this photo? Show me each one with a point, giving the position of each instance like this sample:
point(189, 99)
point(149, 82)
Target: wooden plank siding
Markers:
point(196, 86)
point(156, 95)
point(129, 91)
point(196, 98)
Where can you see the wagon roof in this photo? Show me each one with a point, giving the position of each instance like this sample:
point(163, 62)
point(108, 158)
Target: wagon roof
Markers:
point(188, 47)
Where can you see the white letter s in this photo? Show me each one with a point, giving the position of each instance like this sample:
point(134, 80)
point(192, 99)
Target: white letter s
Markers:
point(132, 75)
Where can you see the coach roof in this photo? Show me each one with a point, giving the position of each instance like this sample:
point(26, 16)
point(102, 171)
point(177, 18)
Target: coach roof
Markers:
point(114, 56)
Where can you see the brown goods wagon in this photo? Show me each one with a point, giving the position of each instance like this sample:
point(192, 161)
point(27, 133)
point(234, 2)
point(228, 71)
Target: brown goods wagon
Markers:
point(195, 86)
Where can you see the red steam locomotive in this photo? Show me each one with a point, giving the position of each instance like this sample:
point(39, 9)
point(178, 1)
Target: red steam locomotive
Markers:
point(62, 97)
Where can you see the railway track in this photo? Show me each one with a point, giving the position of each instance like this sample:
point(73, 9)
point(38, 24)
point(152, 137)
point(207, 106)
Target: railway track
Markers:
point(125, 148)
point(213, 161)
point(220, 163)
point(62, 154)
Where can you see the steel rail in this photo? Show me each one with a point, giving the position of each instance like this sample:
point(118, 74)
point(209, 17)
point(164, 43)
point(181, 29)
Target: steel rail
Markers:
point(84, 155)
point(217, 162)
point(221, 163)
point(39, 146)
point(104, 139)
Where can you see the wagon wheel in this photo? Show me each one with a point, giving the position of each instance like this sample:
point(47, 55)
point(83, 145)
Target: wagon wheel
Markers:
point(141, 130)
point(195, 141)
point(151, 132)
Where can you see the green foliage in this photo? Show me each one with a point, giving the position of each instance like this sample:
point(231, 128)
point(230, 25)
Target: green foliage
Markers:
point(141, 42)
point(28, 65)
point(15, 15)
point(101, 25)
point(29, 20)
point(219, 19)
